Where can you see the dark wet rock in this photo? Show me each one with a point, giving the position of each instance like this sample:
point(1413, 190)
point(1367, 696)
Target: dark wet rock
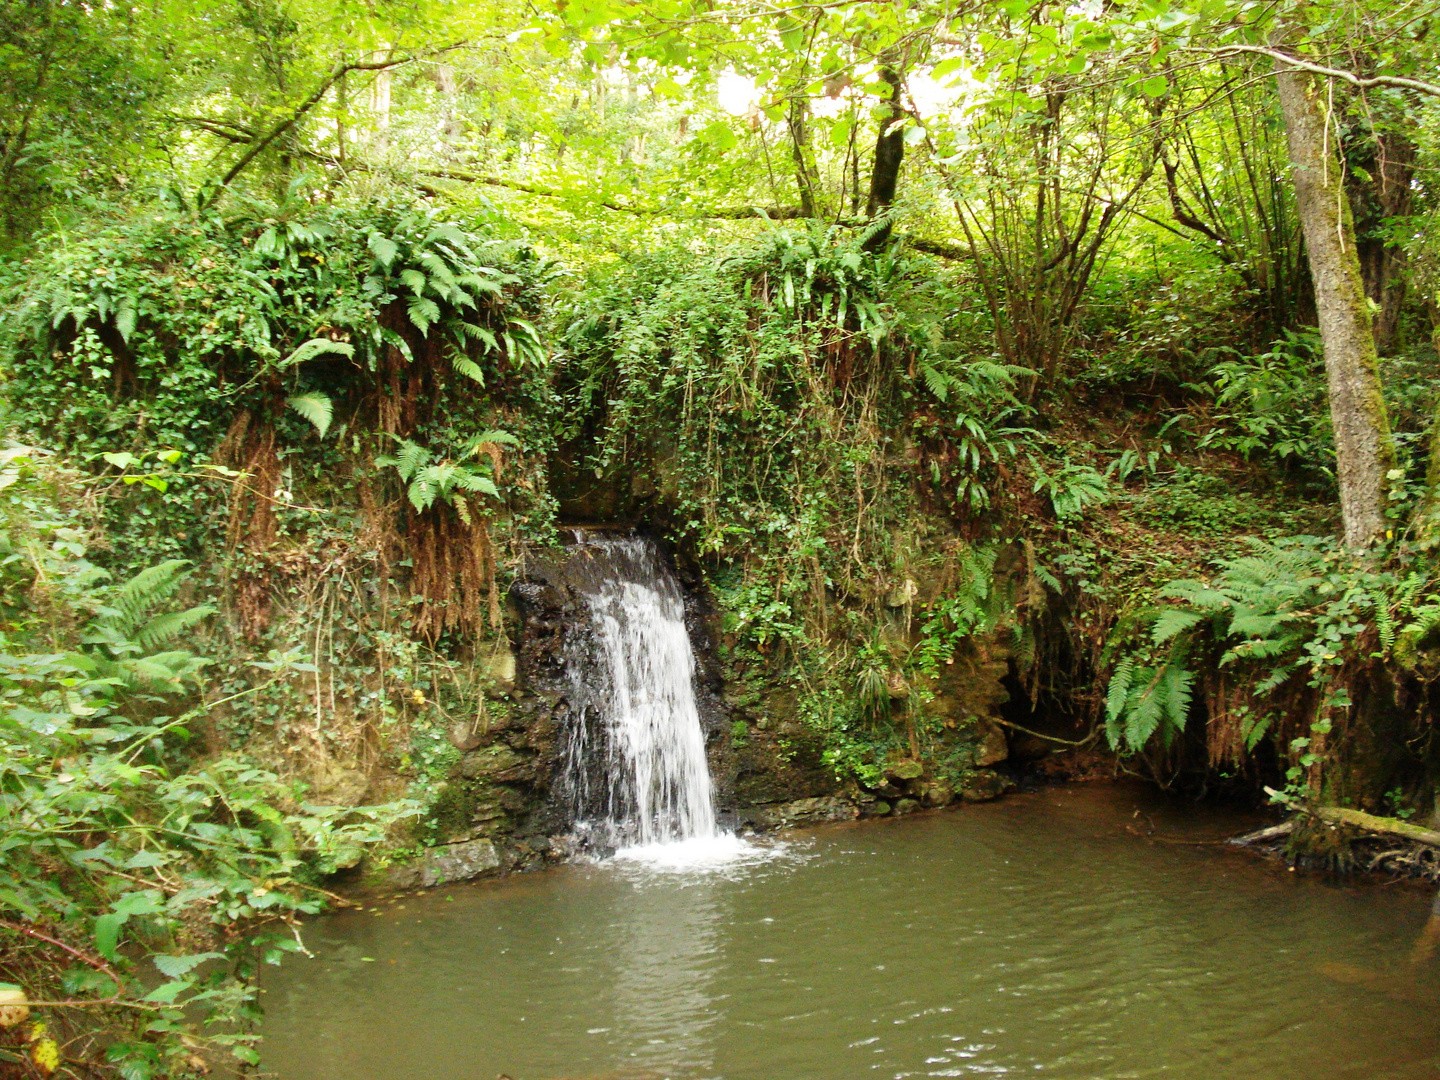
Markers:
point(991, 748)
point(499, 763)
point(984, 785)
point(805, 812)
point(935, 793)
point(906, 806)
point(458, 862)
point(879, 808)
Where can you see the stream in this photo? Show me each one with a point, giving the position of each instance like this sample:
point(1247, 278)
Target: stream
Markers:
point(1044, 935)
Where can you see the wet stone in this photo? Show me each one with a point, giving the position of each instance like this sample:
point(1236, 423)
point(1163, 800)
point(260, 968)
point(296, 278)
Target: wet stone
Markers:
point(904, 770)
point(458, 862)
point(496, 763)
point(983, 786)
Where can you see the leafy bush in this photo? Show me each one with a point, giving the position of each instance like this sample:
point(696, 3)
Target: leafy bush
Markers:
point(123, 852)
point(1286, 642)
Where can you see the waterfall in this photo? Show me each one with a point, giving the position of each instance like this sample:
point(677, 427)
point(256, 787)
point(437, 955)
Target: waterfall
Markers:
point(634, 768)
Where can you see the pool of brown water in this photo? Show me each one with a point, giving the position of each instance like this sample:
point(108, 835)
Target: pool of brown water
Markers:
point(1039, 936)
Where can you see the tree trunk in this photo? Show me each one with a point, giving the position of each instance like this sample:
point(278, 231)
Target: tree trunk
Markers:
point(1364, 452)
point(889, 153)
point(805, 179)
point(1380, 189)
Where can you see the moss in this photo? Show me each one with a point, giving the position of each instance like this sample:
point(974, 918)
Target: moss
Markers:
point(450, 813)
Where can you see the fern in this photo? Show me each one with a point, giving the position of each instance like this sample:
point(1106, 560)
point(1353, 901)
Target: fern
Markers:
point(315, 407)
point(1174, 690)
point(463, 365)
point(1174, 621)
point(165, 628)
point(1117, 698)
point(1144, 712)
point(133, 600)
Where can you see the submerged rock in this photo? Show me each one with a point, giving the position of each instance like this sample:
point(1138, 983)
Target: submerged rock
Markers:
point(458, 862)
point(805, 812)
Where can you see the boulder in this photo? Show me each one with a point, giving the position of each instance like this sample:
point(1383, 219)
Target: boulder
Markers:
point(984, 785)
point(906, 806)
point(900, 771)
point(991, 748)
point(805, 812)
point(465, 736)
point(902, 594)
point(458, 862)
point(937, 793)
point(500, 666)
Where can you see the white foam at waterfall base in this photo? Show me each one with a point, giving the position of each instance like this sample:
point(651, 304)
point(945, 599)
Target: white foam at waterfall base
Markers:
point(657, 806)
point(721, 851)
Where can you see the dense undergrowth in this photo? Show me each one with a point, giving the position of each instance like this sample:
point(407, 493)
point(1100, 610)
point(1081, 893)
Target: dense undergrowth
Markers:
point(314, 444)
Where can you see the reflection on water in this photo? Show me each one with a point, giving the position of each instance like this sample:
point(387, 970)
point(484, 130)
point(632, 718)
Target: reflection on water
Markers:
point(663, 1000)
point(1032, 937)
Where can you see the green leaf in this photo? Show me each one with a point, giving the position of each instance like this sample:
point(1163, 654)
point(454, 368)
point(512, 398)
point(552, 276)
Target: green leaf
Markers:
point(172, 967)
point(316, 347)
point(166, 993)
point(384, 250)
point(315, 407)
point(1155, 86)
point(107, 934)
point(1173, 621)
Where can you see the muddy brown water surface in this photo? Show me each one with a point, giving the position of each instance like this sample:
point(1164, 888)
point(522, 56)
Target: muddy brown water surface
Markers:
point(1037, 936)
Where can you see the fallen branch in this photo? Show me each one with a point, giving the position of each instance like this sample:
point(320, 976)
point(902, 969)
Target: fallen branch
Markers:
point(1373, 823)
point(1048, 738)
point(96, 963)
point(1358, 819)
point(1261, 836)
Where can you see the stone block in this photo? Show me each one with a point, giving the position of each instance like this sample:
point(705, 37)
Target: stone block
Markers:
point(805, 812)
point(458, 862)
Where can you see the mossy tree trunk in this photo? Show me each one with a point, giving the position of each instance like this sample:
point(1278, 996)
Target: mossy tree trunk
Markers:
point(1364, 451)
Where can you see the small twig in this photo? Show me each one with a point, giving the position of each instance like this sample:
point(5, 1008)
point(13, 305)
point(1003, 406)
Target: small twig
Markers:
point(99, 965)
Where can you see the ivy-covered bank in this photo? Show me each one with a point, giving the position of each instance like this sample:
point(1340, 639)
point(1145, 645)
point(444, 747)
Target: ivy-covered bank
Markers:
point(286, 503)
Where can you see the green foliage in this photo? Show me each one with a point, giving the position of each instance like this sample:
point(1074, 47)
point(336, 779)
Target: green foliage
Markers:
point(1071, 489)
point(1297, 616)
point(1274, 404)
point(116, 838)
point(447, 481)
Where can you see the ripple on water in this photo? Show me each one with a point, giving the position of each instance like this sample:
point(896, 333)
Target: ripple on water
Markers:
point(1029, 937)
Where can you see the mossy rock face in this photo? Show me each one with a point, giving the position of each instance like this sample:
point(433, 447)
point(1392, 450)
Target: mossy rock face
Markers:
point(901, 771)
point(499, 763)
point(451, 811)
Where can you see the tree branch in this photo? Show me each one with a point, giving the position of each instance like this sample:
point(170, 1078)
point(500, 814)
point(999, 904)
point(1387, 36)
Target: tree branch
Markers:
point(309, 103)
point(1358, 81)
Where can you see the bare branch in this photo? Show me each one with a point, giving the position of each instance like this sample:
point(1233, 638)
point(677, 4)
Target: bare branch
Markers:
point(1360, 82)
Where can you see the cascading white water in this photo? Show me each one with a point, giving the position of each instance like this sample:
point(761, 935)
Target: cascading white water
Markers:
point(635, 770)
